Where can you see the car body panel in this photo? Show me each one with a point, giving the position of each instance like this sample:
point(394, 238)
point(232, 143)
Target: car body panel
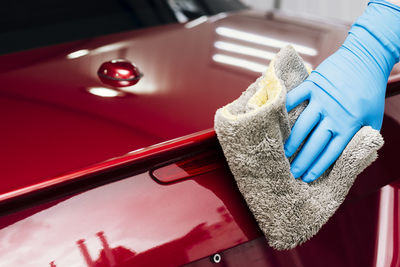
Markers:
point(54, 126)
point(146, 223)
point(151, 223)
point(115, 210)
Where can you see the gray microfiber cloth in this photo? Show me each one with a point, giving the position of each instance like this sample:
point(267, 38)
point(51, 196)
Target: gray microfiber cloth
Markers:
point(252, 134)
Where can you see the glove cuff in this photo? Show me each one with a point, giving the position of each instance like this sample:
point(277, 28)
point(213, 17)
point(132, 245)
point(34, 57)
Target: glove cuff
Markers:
point(378, 32)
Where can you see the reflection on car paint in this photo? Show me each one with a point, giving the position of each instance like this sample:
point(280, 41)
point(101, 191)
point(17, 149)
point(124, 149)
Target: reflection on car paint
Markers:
point(388, 232)
point(139, 220)
point(264, 40)
point(182, 87)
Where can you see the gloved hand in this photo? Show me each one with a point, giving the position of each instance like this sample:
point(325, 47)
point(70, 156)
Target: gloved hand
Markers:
point(346, 92)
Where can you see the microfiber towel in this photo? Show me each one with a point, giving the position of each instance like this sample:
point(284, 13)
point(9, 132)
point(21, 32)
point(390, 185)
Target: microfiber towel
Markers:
point(252, 131)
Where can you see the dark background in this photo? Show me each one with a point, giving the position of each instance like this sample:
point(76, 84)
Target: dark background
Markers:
point(28, 24)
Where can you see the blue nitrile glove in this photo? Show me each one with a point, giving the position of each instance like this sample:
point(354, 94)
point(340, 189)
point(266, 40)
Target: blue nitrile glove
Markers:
point(346, 92)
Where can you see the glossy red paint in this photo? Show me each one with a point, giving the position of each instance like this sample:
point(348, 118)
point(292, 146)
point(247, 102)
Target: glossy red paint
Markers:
point(145, 223)
point(140, 222)
point(185, 220)
point(119, 73)
point(53, 126)
point(116, 208)
point(118, 162)
point(333, 246)
point(176, 170)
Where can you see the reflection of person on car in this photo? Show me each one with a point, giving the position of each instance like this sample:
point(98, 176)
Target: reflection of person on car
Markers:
point(345, 92)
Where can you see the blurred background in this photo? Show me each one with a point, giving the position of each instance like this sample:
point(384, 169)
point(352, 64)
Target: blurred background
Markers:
point(343, 10)
point(28, 24)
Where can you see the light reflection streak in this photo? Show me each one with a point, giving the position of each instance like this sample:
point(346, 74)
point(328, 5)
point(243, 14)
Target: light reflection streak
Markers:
point(78, 53)
point(109, 48)
point(238, 62)
point(249, 51)
point(384, 249)
point(245, 50)
point(196, 22)
point(98, 50)
point(217, 17)
point(104, 92)
point(263, 40)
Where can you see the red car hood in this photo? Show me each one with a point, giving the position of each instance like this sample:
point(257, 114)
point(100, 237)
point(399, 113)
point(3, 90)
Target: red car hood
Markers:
point(51, 124)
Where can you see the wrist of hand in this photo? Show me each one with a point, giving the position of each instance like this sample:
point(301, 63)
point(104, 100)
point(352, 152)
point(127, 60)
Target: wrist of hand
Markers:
point(375, 35)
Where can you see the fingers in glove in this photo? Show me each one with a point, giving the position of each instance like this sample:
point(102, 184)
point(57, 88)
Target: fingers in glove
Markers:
point(298, 95)
point(313, 147)
point(302, 127)
point(327, 157)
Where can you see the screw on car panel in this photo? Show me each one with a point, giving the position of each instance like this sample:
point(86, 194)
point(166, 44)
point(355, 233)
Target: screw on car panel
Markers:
point(216, 258)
